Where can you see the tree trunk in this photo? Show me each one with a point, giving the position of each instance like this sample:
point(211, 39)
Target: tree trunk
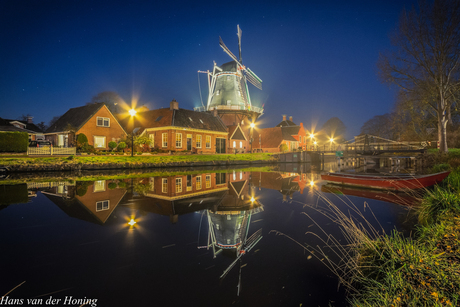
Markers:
point(442, 132)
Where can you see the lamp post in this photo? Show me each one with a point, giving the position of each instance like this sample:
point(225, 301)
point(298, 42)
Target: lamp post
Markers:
point(252, 125)
point(332, 140)
point(132, 112)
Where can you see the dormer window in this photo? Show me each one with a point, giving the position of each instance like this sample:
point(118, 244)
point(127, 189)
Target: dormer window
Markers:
point(103, 122)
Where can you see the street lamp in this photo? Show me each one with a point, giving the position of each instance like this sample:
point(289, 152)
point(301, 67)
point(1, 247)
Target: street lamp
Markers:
point(252, 125)
point(132, 112)
point(332, 140)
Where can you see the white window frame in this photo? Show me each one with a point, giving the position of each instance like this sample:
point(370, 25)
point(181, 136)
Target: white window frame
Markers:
point(208, 181)
point(101, 137)
point(210, 139)
point(164, 185)
point(99, 186)
point(178, 140)
point(198, 182)
point(178, 185)
point(199, 140)
point(105, 205)
point(164, 139)
point(152, 140)
point(104, 121)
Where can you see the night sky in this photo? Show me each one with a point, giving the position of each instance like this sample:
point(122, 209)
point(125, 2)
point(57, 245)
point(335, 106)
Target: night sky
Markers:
point(317, 59)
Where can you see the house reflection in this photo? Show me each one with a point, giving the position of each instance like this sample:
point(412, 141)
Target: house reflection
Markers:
point(91, 201)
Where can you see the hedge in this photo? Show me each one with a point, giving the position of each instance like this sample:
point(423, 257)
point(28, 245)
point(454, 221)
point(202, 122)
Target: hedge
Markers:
point(14, 141)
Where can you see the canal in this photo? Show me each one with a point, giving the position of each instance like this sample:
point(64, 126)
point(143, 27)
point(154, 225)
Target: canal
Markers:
point(207, 237)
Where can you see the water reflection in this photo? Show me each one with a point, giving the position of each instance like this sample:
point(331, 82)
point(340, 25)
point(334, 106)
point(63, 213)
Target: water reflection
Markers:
point(192, 231)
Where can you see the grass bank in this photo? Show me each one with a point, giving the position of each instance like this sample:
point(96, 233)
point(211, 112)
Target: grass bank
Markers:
point(423, 270)
point(15, 160)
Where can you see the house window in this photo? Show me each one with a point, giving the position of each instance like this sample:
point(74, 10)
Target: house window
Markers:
point(178, 140)
point(99, 186)
point(198, 141)
point(198, 182)
point(99, 141)
point(234, 144)
point(152, 184)
point(189, 183)
point(221, 178)
point(165, 140)
point(164, 185)
point(241, 144)
point(178, 185)
point(208, 141)
point(103, 121)
point(102, 205)
point(152, 140)
point(208, 181)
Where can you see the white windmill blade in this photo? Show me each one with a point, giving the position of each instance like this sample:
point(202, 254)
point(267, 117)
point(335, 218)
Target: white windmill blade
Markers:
point(253, 79)
point(239, 41)
point(221, 43)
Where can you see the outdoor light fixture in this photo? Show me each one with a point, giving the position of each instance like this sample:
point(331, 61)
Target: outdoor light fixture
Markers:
point(132, 222)
point(132, 112)
point(252, 199)
point(252, 125)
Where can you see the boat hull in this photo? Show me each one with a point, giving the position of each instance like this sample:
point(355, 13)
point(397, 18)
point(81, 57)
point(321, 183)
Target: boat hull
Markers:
point(398, 183)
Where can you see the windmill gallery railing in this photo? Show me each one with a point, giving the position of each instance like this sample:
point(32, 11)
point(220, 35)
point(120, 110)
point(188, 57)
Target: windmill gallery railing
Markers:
point(50, 150)
point(232, 107)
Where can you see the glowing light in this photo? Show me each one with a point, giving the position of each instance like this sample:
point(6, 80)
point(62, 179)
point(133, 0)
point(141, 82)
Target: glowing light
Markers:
point(312, 135)
point(315, 143)
point(132, 222)
point(252, 125)
point(331, 139)
point(253, 199)
point(132, 112)
point(312, 183)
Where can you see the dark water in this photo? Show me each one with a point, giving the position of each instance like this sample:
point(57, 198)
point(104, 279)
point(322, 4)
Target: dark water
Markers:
point(72, 241)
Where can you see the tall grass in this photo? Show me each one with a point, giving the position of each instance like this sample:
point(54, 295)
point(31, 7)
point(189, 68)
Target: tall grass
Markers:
point(388, 269)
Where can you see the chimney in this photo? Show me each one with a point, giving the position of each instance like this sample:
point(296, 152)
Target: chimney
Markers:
point(174, 105)
point(29, 119)
point(284, 116)
point(214, 112)
point(290, 118)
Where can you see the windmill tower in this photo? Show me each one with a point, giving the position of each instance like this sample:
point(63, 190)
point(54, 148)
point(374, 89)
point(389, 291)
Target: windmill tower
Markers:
point(228, 90)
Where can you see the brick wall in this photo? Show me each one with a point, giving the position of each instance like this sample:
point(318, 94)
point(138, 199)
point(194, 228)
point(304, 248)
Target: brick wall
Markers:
point(91, 129)
point(158, 141)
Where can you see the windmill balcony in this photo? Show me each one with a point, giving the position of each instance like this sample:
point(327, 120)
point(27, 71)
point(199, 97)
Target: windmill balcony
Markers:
point(225, 107)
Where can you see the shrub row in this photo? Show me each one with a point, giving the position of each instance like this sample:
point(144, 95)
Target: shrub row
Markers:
point(14, 141)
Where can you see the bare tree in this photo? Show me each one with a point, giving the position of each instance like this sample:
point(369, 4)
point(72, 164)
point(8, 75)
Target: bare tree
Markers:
point(426, 58)
point(111, 99)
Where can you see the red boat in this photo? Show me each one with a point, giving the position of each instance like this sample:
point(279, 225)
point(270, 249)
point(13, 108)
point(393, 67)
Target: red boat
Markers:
point(398, 182)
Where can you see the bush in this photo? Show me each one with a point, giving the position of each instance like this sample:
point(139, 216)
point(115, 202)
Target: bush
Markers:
point(112, 185)
point(283, 147)
point(121, 145)
point(14, 141)
point(82, 141)
point(112, 145)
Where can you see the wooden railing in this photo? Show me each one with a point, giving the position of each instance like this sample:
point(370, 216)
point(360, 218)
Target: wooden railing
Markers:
point(51, 151)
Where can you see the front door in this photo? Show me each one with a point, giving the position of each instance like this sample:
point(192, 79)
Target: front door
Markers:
point(220, 145)
point(189, 143)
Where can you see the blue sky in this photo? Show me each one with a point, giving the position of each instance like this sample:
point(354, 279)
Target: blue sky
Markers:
point(317, 59)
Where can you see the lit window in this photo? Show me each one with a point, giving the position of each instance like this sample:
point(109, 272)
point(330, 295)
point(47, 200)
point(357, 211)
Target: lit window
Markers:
point(241, 144)
point(165, 140)
point(99, 186)
point(234, 144)
point(208, 181)
point(178, 185)
point(152, 140)
point(178, 140)
point(208, 141)
point(198, 182)
point(152, 183)
point(241, 175)
point(103, 121)
point(99, 141)
point(189, 183)
point(198, 141)
point(102, 205)
point(164, 185)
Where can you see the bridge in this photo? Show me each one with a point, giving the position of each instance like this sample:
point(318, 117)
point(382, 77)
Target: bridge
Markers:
point(373, 145)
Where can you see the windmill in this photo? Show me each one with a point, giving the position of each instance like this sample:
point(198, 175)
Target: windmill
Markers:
point(228, 85)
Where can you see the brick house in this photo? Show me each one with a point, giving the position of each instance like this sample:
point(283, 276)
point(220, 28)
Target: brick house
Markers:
point(174, 129)
point(298, 132)
point(93, 120)
point(11, 125)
